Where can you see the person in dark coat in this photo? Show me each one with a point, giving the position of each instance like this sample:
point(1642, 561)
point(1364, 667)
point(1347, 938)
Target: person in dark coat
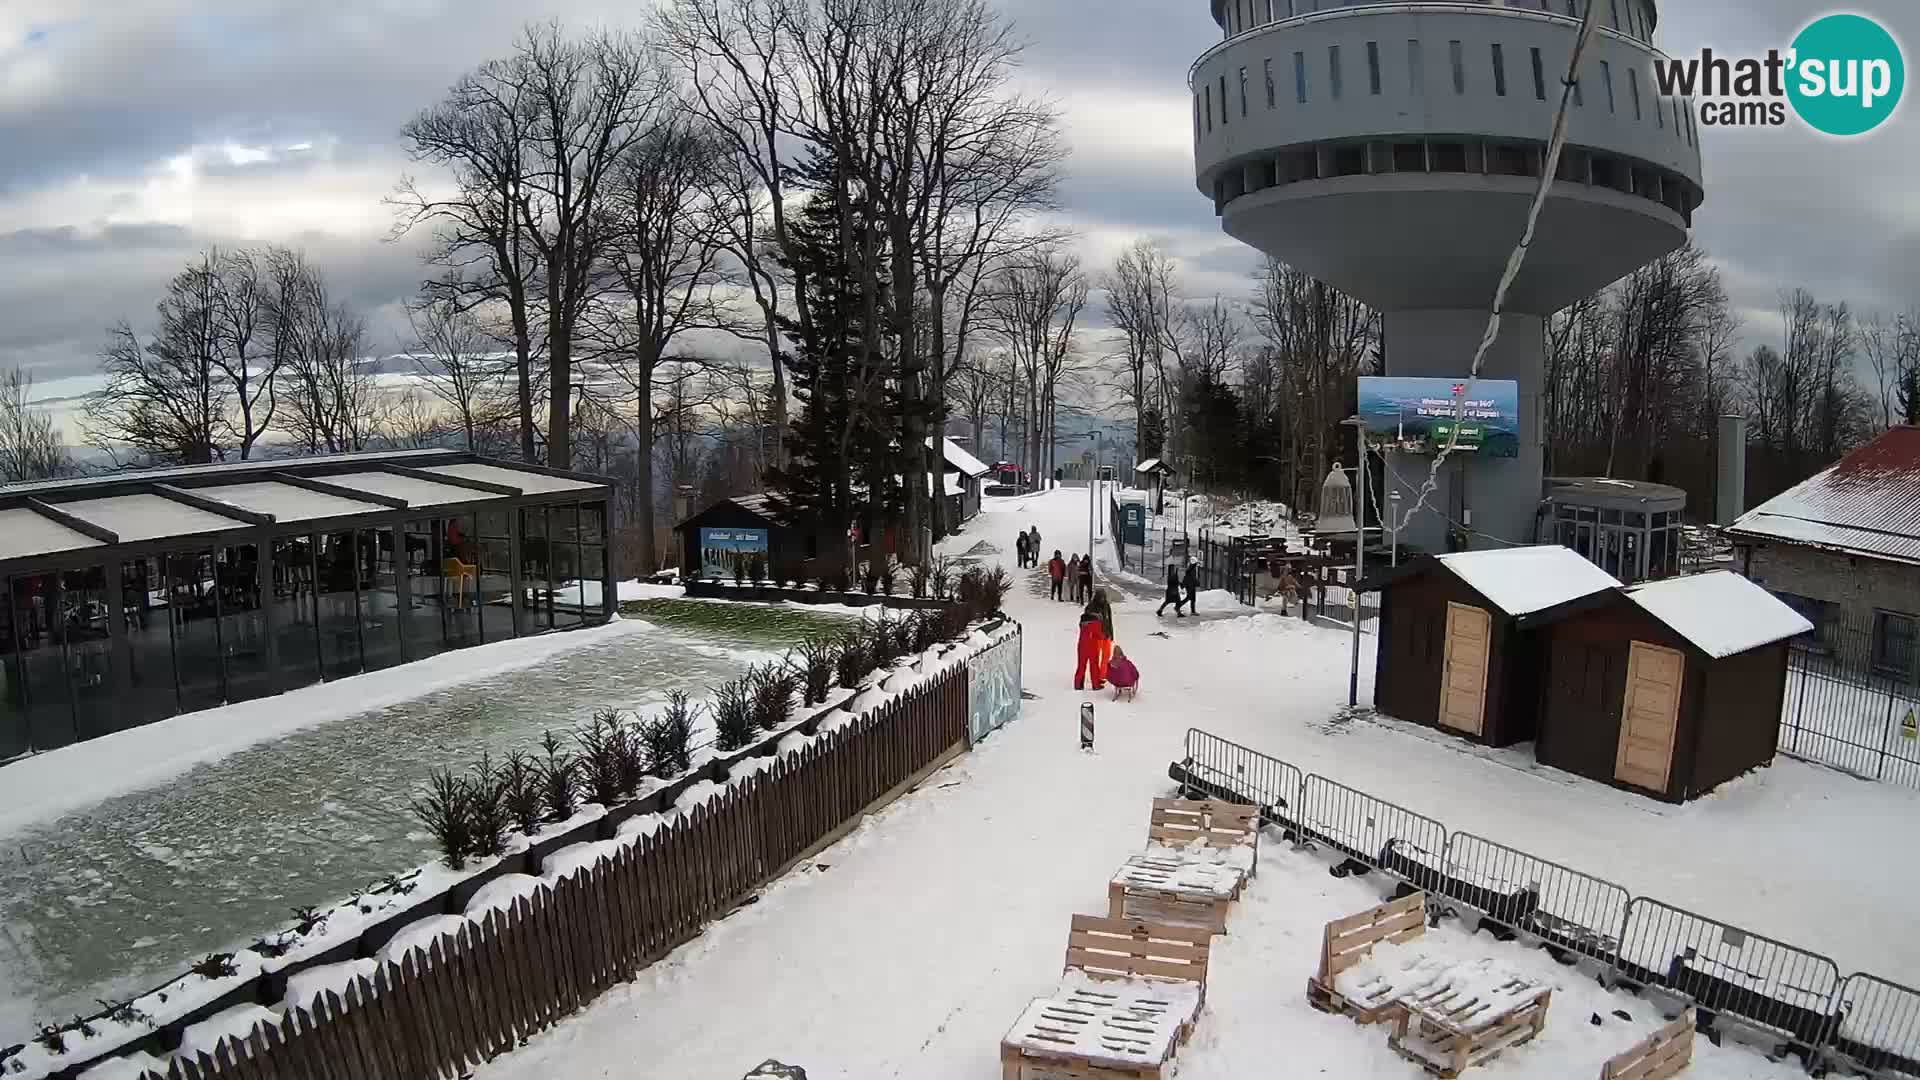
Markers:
point(1174, 595)
point(1193, 587)
point(1020, 550)
point(1073, 579)
point(1085, 581)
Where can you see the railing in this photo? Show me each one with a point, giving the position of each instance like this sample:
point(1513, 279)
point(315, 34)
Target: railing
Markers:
point(524, 967)
point(1847, 702)
point(1732, 975)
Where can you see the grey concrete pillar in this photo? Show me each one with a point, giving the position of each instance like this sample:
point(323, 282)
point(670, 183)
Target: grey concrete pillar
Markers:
point(1730, 484)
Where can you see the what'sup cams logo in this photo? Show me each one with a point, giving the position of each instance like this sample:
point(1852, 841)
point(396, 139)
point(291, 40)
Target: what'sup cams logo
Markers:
point(1843, 75)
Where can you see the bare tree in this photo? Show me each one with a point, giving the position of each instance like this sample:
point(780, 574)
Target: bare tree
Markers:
point(412, 422)
point(456, 358)
point(165, 398)
point(1321, 339)
point(1892, 348)
point(328, 392)
point(242, 340)
point(1033, 307)
point(1140, 290)
point(30, 446)
point(667, 219)
point(480, 134)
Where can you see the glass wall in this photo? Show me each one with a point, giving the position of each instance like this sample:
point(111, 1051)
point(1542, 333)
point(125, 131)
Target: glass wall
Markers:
point(149, 642)
point(379, 598)
point(339, 590)
point(13, 702)
point(243, 624)
point(192, 603)
point(425, 613)
point(563, 542)
point(89, 640)
point(49, 703)
point(537, 565)
point(494, 583)
point(460, 581)
point(593, 556)
point(295, 618)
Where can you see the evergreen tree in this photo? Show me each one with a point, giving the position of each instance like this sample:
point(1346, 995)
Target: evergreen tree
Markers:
point(844, 460)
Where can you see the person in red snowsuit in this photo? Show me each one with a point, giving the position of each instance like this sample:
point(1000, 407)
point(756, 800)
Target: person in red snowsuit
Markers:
point(1093, 640)
point(1057, 570)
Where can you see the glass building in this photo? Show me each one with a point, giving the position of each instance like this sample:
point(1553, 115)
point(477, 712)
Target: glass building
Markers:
point(1629, 528)
point(136, 596)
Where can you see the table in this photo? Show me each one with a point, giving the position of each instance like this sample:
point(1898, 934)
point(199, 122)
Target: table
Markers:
point(1180, 892)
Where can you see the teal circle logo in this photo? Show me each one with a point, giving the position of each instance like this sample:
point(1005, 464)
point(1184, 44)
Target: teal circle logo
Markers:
point(1847, 75)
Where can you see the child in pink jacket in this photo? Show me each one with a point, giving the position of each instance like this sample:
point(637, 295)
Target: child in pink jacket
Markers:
point(1122, 674)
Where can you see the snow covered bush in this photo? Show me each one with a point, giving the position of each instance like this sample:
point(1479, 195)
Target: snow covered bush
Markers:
point(772, 695)
point(852, 660)
point(921, 578)
point(487, 815)
point(668, 738)
point(813, 661)
point(525, 794)
point(611, 760)
point(733, 720)
point(560, 779)
point(445, 813)
point(217, 965)
point(926, 630)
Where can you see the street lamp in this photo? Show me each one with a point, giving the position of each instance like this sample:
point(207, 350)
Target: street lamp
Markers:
point(1359, 554)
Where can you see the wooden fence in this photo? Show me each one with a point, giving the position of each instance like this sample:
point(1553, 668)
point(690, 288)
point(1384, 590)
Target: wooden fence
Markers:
point(479, 993)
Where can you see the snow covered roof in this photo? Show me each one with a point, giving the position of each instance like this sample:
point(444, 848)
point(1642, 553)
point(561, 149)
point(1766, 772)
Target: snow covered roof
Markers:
point(288, 503)
point(529, 483)
point(1722, 613)
point(1153, 464)
point(1527, 579)
point(25, 532)
point(1866, 503)
point(149, 517)
point(959, 458)
point(415, 492)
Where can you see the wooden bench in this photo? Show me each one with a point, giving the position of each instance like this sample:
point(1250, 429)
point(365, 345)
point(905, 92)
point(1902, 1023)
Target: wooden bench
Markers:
point(1206, 830)
point(1176, 892)
point(1453, 1027)
point(1348, 941)
point(1656, 1057)
point(1128, 997)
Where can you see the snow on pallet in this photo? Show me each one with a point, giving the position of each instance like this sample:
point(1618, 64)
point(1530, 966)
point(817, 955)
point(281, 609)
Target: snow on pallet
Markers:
point(1174, 891)
point(1205, 830)
point(1130, 994)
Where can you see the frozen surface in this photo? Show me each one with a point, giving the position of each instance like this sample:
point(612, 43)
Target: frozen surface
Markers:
point(784, 978)
point(114, 895)
point(1721, 612)
point(1522, 580)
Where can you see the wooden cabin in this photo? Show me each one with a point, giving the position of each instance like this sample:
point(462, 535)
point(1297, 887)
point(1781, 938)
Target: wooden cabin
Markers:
point(1453, 653)
point(1668, 688)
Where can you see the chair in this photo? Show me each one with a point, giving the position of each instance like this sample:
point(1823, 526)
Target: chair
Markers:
point(460, 573)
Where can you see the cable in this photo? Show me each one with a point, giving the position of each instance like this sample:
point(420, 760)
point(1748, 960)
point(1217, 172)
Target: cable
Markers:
point(1555, 144)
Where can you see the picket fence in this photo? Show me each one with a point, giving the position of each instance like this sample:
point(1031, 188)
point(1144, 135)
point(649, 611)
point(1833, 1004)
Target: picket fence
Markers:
point(478, 993)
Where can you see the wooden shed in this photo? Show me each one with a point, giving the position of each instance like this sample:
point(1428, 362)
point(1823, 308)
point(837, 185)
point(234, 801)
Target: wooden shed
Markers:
point(1669, 688)
point(1453, 654)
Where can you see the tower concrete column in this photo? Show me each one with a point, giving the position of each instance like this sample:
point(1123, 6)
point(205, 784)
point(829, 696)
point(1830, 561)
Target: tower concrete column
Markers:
point(1496, 496)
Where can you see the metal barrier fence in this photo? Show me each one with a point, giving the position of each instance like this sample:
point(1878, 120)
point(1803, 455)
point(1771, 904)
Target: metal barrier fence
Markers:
point(1849, 693)
point(1879, 1027)
point(1862, 1022)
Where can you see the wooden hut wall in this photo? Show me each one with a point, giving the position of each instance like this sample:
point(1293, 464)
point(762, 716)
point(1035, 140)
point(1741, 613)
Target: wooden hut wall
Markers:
point(1740, 719)
point(1587, 684)
point(1411, 666)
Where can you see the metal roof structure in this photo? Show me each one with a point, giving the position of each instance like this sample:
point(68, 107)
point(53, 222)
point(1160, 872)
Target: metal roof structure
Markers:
point(1867, 503)
point(1620, 494)
point(959, 458)
point(66, 522)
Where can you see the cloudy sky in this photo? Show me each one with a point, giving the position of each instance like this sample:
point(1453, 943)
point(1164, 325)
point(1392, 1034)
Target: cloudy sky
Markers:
point(134, 133)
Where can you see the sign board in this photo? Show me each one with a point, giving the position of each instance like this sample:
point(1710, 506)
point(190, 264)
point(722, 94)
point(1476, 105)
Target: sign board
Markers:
point(1133, 523)
point(721, 550)
point(1419, 416)
point(1910, 727)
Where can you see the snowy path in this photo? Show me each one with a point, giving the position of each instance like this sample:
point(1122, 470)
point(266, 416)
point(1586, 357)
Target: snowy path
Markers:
point(908, 949)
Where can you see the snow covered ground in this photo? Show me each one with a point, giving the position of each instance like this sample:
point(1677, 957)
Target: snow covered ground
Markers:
point(907, 949)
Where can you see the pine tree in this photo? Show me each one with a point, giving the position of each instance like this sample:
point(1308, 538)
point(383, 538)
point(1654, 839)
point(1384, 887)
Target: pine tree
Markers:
point(843, 458)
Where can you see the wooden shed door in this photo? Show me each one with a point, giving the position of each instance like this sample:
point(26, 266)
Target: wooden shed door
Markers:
point(1649, 713)
point(1463, 681)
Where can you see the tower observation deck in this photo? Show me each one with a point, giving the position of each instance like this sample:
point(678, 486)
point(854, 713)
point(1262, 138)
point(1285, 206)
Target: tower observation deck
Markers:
point(1391, 149)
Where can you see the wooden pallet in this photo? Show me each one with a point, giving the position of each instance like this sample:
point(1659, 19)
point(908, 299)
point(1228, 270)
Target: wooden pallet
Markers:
point(1425, 1034)
point(1174, 892)
point(1348, 941)
point(1016, 1066)
point(1656, 1057)
point(1178, 823)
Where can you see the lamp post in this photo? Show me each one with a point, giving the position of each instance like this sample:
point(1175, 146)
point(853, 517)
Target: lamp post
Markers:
point(1393, 524)
point(1359, 555)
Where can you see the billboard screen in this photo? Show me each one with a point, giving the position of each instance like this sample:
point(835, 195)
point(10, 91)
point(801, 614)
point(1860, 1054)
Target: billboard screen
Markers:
point(1417, 416)
point(723, 549)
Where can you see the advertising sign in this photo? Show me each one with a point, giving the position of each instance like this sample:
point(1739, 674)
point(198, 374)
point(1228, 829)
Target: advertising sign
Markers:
point(1133, 523)
point(723, 549)
point(1418, 416)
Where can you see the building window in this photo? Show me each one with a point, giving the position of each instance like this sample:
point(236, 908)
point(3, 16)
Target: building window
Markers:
point(1539, 77)
point(1459, 67)
point(1207, 96)
point(1269, 10)
point(1268, 67)
point(1633, 84)
point(1333, 71)
point(1416, 72)
point(1893, 634)
point(1814, 611)
point(1499, 71)
point(1196, 118)
point(1300, 77)
point(1242, 5)
point(1373, 68)
point(1616, 13)
point(1243, 91)
point(1223, 99)
point(1606, 76)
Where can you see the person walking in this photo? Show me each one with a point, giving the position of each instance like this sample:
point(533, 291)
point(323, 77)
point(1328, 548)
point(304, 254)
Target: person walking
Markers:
point(1073, 578)
point(1033, 543)
point(1087, 652)
point(1057, 570)
point(1084, 582)
point(1193, 587)
point(1105, 607)
point(1286, 587)
point(1020, 550)
point(1174, 595)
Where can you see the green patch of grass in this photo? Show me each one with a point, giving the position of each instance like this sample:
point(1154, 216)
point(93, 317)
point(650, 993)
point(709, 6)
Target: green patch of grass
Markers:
point(754, 624)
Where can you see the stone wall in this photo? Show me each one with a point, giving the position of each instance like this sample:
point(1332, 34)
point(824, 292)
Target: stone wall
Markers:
point(1855, 585)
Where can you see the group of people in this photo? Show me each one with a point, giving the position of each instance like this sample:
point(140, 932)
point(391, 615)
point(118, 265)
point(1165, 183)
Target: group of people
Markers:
point(1181, 592)
point(1026, 547)
point(1098, 655)
point(1074, 577)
